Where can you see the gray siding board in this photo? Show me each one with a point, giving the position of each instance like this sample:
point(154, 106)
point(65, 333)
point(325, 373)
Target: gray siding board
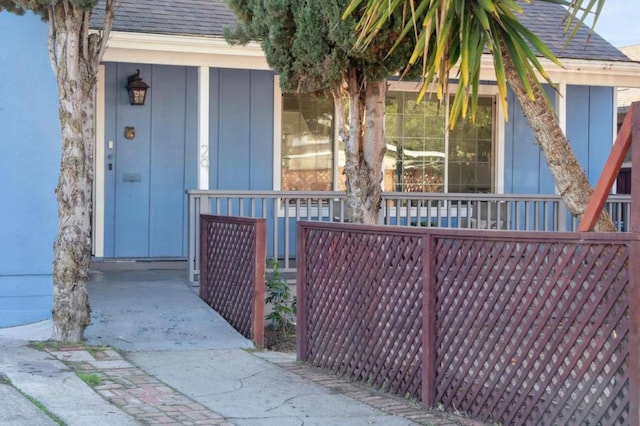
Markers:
point(590, 126)
point(261, 157)
point(600, 130)
point(578, 121)
point(525, 164)
point(546, 183)
point(167, 162)
point(234, 129)
point(214, 127)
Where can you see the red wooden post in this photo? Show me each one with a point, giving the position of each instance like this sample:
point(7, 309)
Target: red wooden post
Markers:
point(634, 333)
point(634, 274)
point(428, 323)
point(259, 277)
point(301, 313)
point(610, 171)
point(635, 171)
point(204, 255)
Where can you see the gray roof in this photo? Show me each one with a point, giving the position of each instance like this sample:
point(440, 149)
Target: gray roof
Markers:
point(181, 17)
point(209, 17)
point(546, 20)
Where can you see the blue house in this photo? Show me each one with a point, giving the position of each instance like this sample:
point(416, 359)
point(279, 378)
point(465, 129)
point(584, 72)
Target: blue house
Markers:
point(215, 118)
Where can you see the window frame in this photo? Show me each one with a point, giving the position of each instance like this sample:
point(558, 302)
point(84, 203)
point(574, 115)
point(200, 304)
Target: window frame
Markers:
point(487, 89)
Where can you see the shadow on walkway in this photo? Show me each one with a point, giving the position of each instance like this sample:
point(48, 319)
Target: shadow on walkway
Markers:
point(147, 306)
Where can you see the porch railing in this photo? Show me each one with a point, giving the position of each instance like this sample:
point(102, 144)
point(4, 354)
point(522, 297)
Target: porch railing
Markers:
point(282, 209)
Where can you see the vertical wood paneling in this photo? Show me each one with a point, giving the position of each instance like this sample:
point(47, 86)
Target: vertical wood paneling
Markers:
point(132, 167)
point(167, 152)
point(234, 129)
point(261, 123)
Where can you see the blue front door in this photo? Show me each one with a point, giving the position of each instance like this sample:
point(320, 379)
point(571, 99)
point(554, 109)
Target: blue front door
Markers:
point(149, 161)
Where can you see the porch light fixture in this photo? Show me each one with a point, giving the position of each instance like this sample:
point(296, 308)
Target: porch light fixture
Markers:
point(137, 89)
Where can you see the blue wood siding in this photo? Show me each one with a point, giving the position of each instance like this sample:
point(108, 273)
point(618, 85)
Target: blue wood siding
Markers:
point(589, 130)
point(241, 129)
point(29, 168)
point(146, 177)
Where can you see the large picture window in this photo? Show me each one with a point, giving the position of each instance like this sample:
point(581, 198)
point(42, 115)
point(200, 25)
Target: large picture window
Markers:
point(307, 143)
point(421, 155)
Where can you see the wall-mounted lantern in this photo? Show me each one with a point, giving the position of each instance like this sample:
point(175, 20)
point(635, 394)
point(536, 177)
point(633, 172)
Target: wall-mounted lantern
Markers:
point(137, 89)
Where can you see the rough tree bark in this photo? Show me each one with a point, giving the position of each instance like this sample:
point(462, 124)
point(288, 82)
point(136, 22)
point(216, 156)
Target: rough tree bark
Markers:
point(568, 176)
point(75, 54)
point(364, 145)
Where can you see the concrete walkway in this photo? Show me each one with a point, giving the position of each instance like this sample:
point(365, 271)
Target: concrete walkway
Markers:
point(177, 362)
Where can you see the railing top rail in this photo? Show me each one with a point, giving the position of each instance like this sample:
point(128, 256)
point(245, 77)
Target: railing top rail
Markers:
point(389, 195)
point(579, 237)
point(266, 194)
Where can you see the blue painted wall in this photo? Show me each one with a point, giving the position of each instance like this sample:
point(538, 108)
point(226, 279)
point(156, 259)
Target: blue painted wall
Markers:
point(589, 130)
point(590, 126)
point(146, 177)
point(29, 166)
point(241, 129)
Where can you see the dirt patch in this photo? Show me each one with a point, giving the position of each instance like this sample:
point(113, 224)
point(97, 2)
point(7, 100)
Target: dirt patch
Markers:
point(276, 340)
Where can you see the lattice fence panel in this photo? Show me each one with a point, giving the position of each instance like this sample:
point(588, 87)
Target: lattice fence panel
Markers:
point(232, 271)
point(363, 306)
point(533, 332)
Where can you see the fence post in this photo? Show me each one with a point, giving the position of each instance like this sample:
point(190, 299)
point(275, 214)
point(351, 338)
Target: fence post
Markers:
point(192, 236)
point(428, 322)
point(258, 283)
point(634, 333)
point(301, 282)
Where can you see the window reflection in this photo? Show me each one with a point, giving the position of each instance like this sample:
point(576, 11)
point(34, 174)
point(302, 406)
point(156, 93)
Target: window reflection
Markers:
point(307, 143)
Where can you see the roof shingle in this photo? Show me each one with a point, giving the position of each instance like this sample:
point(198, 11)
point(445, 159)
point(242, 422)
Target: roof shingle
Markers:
point(208, 18)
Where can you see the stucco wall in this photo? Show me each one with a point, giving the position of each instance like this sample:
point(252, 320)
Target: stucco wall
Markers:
point(29, 165)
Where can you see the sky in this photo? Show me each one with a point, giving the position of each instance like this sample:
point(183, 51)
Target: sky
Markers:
point(619, 22)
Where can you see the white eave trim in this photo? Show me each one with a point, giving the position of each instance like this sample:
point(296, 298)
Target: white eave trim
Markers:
point(581, 72)
point(216, 52)
point(182, 50)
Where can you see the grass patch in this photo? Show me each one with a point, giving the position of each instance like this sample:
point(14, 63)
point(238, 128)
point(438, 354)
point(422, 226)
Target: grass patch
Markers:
point(41, 407)
point(42, 345)
point(91, 379)
point(94, 350)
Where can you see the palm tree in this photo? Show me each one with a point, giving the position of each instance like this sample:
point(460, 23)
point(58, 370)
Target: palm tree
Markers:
point(458, 33)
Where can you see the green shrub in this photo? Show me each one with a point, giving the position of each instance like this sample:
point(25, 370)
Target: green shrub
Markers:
point(283, 313)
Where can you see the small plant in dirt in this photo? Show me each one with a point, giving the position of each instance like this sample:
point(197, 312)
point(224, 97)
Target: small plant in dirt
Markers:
point(91, 379)
point(283, 304)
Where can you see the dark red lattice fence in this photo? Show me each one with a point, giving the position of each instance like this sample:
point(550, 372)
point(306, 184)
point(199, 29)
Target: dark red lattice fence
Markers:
point(232, 271)
point(517, 328)
point(533, 330)
point(359, 301)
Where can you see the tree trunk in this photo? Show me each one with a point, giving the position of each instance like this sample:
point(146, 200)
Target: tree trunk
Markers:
point(74, 55)
point(568, 176)
point(364, 146)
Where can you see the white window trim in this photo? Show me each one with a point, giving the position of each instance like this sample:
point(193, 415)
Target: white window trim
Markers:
point(99, 181)
point(277, 134)
point(396, 86)
point(499, 126)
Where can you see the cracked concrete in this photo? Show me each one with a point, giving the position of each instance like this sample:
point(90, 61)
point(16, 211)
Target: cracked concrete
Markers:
point(162, 326)
point(263, 395)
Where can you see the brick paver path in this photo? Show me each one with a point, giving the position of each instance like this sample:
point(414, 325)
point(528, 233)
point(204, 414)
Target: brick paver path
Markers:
point(152, 402)
point(132, 390)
